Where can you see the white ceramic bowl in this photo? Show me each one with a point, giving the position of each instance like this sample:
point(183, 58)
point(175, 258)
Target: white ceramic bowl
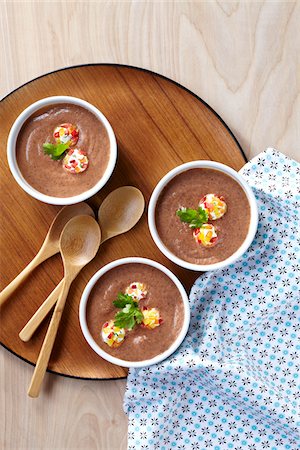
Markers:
point(11, 150)
point(85, 298)
point(204, 165)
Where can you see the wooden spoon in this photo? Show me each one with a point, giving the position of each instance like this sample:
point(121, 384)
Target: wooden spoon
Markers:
point(119, 212)
point(50, 245)
point(79, 243)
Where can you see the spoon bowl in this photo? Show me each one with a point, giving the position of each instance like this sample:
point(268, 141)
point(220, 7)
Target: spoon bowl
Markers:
point(120, 211)
point(79, 242)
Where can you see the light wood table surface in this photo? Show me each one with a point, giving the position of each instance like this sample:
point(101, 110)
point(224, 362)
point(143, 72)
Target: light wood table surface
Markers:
point(242, 58)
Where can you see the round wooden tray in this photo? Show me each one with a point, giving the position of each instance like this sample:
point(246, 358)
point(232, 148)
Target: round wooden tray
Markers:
point(158, 125)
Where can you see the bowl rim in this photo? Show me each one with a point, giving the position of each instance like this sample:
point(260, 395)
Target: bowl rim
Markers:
point(12, 140)
point(203, 164)
point(84, 300)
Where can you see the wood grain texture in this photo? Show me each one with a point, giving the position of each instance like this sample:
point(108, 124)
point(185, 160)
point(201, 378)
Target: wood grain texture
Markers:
point(158, 126)
point(241, 57)
point(69, 414)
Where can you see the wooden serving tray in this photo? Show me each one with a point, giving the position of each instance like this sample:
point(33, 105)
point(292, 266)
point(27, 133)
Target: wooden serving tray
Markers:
point(158, 125)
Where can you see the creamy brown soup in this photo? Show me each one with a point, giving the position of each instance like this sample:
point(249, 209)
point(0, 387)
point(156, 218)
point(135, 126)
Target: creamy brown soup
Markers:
point(48, 176)
point(186, 190)
point(140, 343)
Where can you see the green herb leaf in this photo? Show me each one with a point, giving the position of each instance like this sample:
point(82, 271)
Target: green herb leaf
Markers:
point(195, 217)
point(128, 317)
point(55, 151)
point(139, 316)
point(123, 300)
point(130, 314)
point(124, 320)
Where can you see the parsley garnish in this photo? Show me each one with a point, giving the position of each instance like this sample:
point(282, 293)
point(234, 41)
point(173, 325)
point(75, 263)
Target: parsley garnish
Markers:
point(123, 300)
point(195, 217)
point(130, 314)
point(55, 151)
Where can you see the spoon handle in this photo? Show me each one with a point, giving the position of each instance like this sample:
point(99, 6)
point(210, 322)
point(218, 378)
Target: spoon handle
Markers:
point(46, 350)
point(41, 256)
point(38, 317)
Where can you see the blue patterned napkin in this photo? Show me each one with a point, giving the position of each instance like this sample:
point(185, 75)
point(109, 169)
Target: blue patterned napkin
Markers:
point(235, 381)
